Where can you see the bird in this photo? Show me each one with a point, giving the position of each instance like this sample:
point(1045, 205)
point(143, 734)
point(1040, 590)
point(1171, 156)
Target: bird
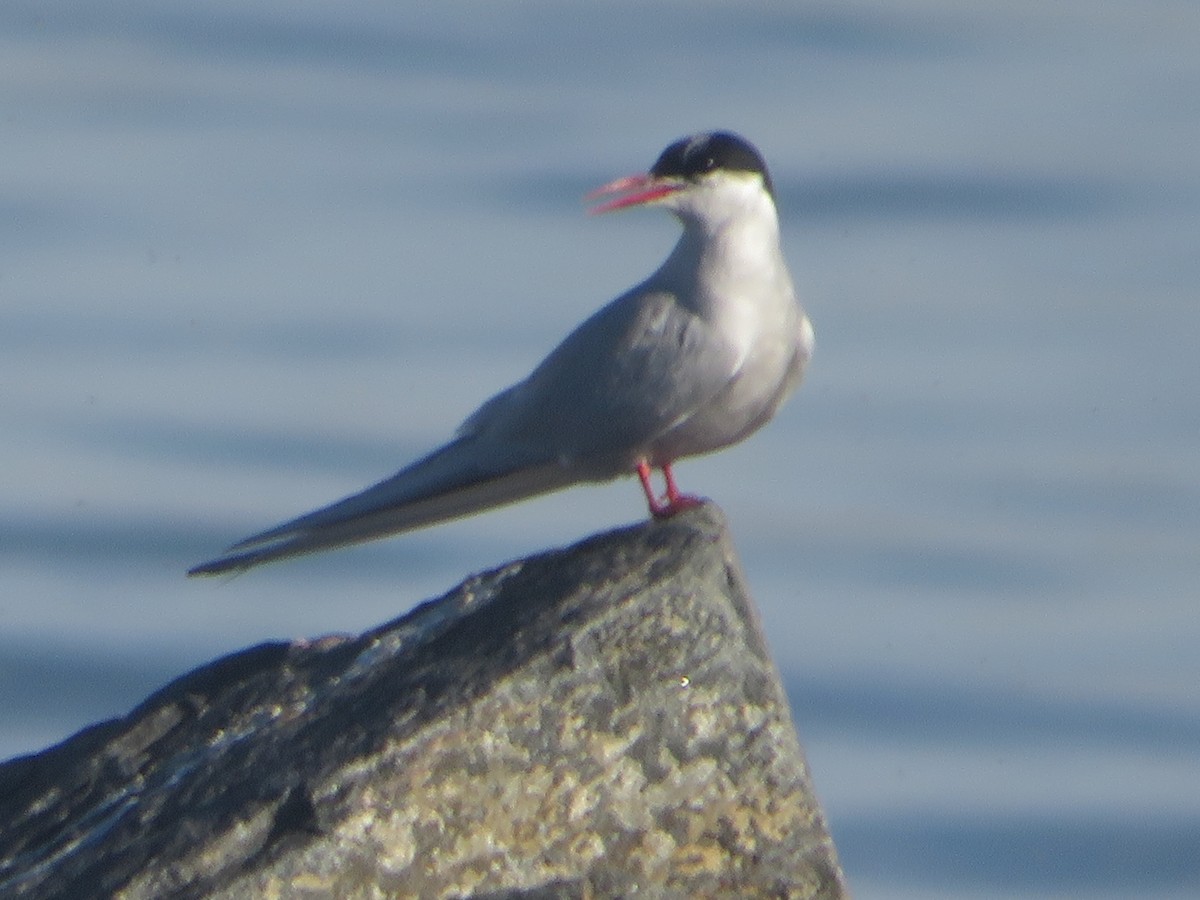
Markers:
point(696, 357)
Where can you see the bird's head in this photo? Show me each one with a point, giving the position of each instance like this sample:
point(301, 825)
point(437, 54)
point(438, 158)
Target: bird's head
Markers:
point(705, 178)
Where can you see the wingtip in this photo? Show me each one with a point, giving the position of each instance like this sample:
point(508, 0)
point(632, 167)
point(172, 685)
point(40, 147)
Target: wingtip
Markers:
point(214, 567)
point(237, 560)
point(222, 565)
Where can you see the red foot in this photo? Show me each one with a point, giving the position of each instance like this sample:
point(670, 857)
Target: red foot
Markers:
point(674, 502)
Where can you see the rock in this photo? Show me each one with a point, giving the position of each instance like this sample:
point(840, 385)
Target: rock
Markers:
point(600, 721)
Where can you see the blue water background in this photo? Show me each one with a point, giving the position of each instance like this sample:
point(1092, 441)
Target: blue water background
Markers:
point(254, 256)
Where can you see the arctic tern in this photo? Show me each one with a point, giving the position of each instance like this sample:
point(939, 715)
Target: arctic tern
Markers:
point(695, 358)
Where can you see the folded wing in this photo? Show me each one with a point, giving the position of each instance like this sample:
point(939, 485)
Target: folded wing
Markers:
point(461, 478)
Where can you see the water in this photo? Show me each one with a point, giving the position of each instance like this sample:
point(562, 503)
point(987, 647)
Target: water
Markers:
point(252, 258)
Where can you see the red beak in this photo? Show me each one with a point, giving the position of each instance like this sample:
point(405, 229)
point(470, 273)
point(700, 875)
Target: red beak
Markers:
point(637, 189)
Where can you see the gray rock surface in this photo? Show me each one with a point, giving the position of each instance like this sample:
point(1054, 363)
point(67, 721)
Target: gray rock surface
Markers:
point(600, 721)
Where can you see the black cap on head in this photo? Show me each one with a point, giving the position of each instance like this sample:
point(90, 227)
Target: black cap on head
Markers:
point(692, 156)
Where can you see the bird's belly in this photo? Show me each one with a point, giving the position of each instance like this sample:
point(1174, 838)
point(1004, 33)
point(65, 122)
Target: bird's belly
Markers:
point(747, 403)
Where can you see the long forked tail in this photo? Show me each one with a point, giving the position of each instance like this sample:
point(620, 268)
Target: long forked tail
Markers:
point(455, 481)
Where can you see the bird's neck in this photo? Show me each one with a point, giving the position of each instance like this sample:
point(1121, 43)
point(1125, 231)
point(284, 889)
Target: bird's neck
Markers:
point(718, 259)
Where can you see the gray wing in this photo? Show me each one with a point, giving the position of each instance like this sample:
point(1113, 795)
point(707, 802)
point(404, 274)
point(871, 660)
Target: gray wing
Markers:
point(461, 478)
point(633, 371)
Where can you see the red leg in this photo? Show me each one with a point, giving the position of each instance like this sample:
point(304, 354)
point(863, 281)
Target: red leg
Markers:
point(674, 502)
point(677, 502)
point(658, 509)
